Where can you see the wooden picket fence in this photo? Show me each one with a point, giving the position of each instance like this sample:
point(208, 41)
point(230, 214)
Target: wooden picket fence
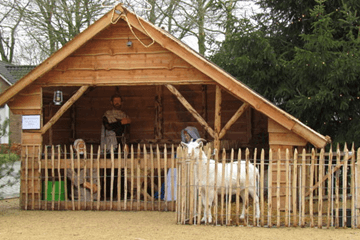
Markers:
point(54, 179)
point(314, 189)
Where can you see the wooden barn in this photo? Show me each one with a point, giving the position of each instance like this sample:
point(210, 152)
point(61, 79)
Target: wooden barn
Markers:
point(165, 85)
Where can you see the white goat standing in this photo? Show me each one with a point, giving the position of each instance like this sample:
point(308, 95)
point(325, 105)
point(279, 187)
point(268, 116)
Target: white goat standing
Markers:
point(194, 148)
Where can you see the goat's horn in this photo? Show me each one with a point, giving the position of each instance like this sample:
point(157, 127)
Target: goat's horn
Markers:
point(200, 139)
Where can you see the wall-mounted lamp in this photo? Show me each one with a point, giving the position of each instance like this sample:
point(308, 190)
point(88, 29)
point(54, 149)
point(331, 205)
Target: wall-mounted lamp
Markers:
point(129, 43)
point(58, 97)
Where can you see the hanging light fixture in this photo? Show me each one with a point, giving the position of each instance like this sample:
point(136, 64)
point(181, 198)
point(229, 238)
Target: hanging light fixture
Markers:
point(58, 97)
point(129, 43)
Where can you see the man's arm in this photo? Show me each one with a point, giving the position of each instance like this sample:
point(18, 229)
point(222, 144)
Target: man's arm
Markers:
point(111, 126)
point(126, 120)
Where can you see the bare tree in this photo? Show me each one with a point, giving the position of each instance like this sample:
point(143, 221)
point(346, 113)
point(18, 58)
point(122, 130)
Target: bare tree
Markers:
point(52, 23)
point(34, 29)
point(10, 18)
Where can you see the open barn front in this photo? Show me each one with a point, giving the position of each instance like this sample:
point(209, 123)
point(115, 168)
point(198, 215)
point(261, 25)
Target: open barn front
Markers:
point(157, 115)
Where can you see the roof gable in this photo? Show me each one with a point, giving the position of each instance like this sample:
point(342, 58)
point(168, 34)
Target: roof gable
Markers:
point(75, 54)
point(106, 58)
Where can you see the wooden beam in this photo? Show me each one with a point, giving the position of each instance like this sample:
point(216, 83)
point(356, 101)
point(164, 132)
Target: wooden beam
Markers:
point(128, 77)
point(51, 108)
point(204, 111)
point(159, 119)
point(63, 109)
point(73, 121)
point(217, 118)
point(193, 112)
point(233, 119)
point(122, 61)
point(337, 167)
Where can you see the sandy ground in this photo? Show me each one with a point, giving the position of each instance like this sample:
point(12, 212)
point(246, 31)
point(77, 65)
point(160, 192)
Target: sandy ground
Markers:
point(20, 224)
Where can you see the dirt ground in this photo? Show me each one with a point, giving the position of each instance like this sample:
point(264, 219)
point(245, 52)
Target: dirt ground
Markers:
point(20, 224)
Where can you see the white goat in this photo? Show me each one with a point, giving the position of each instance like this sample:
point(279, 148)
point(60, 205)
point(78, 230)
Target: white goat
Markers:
point(194, 148)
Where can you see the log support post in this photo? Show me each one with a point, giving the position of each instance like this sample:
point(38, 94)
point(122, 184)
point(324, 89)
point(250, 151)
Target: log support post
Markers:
point(73, 122)
point(204, 106)
point(158, 130)
point(217, 121)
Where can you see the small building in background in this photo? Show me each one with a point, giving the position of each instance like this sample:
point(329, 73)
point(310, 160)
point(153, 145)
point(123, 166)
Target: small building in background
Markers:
point(9, 74)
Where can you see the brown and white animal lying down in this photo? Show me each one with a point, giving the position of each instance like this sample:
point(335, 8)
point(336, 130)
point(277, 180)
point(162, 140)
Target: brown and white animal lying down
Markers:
point(230, 180)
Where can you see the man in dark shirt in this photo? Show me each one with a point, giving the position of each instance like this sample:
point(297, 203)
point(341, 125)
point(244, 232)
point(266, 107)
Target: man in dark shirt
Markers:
point(115, 125)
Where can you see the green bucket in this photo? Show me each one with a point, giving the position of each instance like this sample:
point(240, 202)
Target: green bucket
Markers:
point(48, 196)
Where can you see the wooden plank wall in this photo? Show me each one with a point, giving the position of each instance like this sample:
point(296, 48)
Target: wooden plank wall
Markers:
point(281, 139)
point(28, 101)
point(107, 60)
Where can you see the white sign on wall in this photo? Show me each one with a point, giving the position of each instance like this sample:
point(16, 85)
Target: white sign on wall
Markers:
point(31, 122)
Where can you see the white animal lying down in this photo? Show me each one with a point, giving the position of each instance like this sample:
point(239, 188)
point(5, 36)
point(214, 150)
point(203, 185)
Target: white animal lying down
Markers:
point(194, 148)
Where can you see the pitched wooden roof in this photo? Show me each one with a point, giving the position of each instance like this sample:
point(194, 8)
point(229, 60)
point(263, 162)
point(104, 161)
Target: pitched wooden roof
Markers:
point(174, 45)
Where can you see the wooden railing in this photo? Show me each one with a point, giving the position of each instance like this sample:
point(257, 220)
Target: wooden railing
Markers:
point(316, 189)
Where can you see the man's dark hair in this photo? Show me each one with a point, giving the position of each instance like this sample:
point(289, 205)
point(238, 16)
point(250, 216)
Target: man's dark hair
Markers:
point(116, 95)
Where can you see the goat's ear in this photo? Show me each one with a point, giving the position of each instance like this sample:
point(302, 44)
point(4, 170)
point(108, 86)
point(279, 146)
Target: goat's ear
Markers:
point(183, 144)
point(201, 144)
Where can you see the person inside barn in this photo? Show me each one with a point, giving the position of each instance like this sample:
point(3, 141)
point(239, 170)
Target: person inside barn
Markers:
point(115, 127)
point(188, 134)
point(82, 188)
point(115, 130)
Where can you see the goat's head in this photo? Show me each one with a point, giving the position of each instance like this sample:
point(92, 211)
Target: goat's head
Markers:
point(193, 147)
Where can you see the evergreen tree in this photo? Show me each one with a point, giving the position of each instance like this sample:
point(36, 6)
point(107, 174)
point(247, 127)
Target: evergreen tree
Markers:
point(248, 54)
point(325, 74)
point(311, 70)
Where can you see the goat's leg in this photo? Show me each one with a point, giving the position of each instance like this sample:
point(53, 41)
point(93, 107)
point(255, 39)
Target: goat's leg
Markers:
point(242, 196)
point(203, 200)
point(252, 192)
point(211, 200)
point(207, 214)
